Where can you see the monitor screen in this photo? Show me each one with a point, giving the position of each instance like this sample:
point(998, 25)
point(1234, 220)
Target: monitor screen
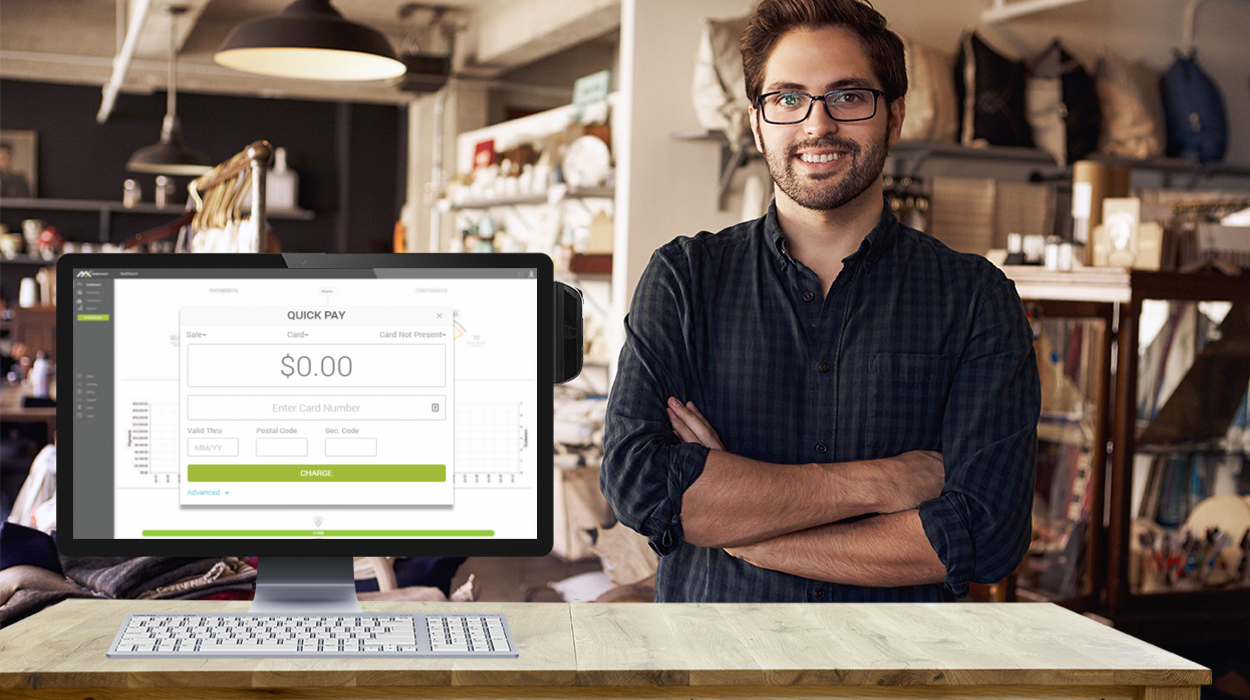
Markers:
point(305, 405)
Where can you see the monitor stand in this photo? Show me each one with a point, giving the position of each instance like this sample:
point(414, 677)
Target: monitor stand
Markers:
point(315, 585)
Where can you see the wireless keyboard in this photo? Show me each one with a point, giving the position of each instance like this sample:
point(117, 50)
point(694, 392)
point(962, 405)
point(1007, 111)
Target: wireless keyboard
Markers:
point(442, 636)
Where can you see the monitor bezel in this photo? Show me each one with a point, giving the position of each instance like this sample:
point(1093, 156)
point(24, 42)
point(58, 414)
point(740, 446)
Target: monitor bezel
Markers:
point(72, 545)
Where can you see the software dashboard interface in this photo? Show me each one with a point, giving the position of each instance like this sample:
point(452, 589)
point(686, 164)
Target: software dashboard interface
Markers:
point(297, 404)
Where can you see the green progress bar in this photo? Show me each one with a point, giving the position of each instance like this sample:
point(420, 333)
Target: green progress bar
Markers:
point(318, 533)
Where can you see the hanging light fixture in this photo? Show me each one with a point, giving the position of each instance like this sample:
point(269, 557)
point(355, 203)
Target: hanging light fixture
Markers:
point(310, 40)
point(168, 156)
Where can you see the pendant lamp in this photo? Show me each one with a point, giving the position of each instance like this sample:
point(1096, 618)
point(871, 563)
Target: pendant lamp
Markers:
point(310, 40)
point(168, 156)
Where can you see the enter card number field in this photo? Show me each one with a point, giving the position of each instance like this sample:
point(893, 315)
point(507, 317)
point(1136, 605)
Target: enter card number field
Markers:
point(331, 365)
point(321, 408)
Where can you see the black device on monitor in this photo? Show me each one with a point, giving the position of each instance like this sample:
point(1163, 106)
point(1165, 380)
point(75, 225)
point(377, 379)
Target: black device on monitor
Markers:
point(308, 408)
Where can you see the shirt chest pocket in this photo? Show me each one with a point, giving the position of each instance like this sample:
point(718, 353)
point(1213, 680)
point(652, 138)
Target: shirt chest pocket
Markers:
point(907, 401)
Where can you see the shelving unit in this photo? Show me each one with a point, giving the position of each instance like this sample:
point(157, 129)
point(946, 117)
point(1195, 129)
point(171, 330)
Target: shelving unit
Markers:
point(536, 220)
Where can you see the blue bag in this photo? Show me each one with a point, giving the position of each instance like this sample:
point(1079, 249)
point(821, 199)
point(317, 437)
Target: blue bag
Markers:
point(1196, 121)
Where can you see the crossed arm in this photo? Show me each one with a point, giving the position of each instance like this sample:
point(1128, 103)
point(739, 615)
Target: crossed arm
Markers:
point(785, 517)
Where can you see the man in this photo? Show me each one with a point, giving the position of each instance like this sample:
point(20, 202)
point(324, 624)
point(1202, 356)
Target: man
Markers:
point(824, 404)
point(12, 183)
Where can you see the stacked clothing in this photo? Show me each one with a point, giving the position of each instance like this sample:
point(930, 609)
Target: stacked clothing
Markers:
point(33, 575)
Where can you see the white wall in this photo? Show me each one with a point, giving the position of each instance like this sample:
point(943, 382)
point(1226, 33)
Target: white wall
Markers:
point(669, 186)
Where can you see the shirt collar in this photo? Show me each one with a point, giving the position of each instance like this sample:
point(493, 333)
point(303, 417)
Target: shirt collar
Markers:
point(874, 245)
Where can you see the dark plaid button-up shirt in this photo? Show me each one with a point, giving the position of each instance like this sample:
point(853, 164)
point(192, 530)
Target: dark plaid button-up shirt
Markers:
point(915, 347)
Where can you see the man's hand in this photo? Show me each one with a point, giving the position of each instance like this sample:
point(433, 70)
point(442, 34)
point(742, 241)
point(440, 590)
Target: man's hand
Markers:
point(691, 425)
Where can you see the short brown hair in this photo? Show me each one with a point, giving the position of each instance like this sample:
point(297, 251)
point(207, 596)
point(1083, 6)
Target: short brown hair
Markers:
point(774, 18)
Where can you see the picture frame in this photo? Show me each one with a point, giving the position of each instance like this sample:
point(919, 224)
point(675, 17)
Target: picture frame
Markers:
point(19, 163)
point(484, 154)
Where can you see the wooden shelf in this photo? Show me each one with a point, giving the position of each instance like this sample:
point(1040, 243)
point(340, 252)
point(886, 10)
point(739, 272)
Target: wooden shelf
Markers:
point(929, 149)
point(1096, 284)
point(106, 206)
point(1177, 166)
point(587, 264)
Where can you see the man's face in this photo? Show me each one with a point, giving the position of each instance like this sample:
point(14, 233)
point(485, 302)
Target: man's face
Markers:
point(6, 159)
point(819, 163)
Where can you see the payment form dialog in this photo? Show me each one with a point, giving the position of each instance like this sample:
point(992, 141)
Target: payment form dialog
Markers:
point(295, 405)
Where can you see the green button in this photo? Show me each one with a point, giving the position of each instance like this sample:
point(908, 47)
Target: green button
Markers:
point(93, 317)
point(317, 473)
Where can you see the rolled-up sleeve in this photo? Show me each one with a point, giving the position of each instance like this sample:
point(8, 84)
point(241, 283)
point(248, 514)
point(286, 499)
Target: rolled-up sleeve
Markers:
point(981, 524)
point(646, 468)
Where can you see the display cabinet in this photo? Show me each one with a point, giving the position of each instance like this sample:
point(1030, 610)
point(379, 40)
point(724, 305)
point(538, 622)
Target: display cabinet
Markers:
point(1175, 352)
point(1179, 422)
point(1074, 324)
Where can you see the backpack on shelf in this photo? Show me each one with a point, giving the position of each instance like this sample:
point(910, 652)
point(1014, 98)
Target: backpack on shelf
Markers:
point(1197, 125)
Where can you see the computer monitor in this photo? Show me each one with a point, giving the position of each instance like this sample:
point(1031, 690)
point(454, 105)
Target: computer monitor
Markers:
point(305, 408)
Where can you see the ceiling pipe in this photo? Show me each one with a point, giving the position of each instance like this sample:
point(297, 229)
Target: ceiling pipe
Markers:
point(121, 64)
point(119, 26)
point(1003, 11)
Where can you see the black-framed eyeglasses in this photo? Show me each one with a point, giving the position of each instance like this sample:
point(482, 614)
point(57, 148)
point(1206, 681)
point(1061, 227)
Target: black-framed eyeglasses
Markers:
point(793, 106)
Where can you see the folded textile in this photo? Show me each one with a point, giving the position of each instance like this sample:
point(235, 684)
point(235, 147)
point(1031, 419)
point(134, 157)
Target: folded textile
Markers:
point(122, 577)
point(26, 589)
point(228, 574)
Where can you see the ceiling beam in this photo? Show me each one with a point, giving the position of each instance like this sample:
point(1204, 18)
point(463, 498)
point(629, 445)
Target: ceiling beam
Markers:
point(508, 34)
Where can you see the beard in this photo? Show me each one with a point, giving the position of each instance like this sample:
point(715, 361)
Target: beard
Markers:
point(824, 192)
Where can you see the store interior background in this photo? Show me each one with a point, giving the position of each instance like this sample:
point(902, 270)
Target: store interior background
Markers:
point(364, 152)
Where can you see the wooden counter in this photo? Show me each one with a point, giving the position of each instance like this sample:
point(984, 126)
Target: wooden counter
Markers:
point(630, 650)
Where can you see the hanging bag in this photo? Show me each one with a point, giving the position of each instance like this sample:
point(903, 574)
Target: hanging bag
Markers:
point(1197, 124)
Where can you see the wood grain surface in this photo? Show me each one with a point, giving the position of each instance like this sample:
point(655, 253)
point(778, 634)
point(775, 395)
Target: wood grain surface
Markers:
point(670, 651)
point(864, 644)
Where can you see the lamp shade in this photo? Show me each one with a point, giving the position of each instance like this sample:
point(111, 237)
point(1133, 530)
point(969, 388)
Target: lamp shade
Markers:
point(168, 158)
point(310, 40)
